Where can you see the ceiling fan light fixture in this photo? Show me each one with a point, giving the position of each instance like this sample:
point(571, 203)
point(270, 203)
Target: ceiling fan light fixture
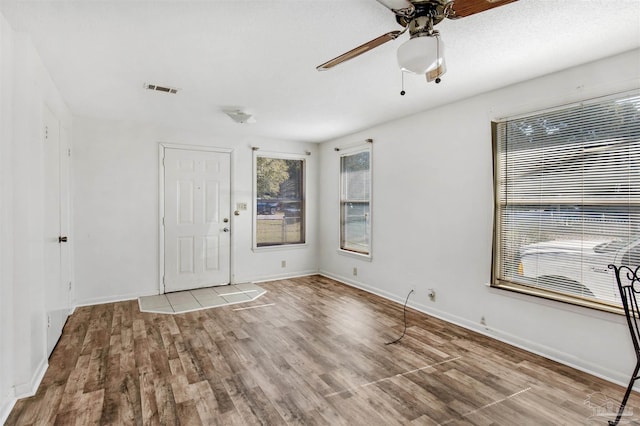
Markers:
point(422, 54)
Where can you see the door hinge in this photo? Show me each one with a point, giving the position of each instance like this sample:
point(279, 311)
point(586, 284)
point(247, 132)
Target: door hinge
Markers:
point(68, 152)
point(48, 321)
point(163, 280)
point(69, 285)
point(46, 132)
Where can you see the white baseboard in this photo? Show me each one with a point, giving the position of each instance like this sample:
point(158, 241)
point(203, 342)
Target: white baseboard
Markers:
point(111, 299)
point(362, 286)
point(6, 405)
point(527, 345)
point(500, 335)
point(24, 390)
point(282, 276)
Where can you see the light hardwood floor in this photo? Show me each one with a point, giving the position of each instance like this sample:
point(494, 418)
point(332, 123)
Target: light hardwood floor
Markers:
point(316, 355)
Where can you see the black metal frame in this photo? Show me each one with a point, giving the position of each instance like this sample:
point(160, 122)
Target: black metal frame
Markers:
point(628, 292)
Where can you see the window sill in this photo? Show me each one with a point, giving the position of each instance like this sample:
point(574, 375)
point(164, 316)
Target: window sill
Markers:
point(557, 297)
point(281, 247)
point(364, 257)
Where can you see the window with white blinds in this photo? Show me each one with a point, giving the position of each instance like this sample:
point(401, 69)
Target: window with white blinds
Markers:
point(567, 188)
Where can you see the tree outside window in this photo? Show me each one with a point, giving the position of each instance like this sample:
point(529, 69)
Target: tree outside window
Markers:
point(279, 201)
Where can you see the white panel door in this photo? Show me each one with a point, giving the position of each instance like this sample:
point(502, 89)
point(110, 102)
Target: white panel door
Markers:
point(197, 192)
point(56, 254)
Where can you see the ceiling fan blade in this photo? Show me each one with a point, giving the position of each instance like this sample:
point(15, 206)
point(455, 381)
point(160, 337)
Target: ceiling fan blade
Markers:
point(464, 8)
point(399, 7)
point(359, 50)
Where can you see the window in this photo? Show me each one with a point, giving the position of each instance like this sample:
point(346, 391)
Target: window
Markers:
point(355, 201)
point(280, 202)
point(567, 187)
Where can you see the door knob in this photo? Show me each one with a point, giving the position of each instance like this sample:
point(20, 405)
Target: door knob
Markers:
point(225, 220)
point(226, 229)
point(62, 239)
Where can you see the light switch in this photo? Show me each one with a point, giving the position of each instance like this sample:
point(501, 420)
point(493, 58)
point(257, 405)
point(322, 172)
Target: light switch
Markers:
point(241, 206)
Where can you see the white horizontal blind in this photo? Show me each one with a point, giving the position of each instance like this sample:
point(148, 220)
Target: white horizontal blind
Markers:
point(568, 198)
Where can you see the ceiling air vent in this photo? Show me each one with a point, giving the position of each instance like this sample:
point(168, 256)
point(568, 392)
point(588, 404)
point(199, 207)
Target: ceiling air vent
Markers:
point(158, 88)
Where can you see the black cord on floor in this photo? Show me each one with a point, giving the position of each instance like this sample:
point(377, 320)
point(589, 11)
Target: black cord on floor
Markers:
point(404, 312)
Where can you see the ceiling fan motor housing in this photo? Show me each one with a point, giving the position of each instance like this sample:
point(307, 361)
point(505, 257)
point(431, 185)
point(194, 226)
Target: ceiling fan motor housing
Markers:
point(434, 10)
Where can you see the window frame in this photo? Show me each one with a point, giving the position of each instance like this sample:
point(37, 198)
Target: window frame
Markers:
point(281, 156)
point(341, 201)
point(502, 282)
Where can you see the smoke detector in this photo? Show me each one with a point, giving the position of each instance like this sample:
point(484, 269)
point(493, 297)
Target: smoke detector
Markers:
point(240, 117)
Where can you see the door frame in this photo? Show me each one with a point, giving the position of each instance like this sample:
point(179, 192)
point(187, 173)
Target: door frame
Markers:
point(161, 151)
point(58, 313)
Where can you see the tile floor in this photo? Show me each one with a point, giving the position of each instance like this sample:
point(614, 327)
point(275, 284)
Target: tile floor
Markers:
point(202, 298)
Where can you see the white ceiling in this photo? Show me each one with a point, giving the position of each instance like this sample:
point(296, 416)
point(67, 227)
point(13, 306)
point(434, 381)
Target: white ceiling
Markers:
point(260, 56)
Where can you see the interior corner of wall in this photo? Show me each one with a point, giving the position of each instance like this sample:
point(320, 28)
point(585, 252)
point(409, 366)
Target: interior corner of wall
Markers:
point(23, 390)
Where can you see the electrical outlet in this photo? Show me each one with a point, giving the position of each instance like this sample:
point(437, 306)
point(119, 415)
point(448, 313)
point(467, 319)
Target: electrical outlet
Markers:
point(355, 271)
point(432, 295)
point(483, 321)
point(283, 263)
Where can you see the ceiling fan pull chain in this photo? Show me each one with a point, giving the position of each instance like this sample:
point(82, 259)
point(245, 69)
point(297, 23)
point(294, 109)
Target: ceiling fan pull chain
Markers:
point(402, 92)
point(438, 80)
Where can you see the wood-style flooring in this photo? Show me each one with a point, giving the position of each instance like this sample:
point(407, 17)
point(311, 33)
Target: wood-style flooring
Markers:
point(310, 352)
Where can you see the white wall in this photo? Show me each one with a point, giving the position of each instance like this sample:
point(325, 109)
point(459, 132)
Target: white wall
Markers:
point(25, 89)
point(433, 219)
point(116, 228)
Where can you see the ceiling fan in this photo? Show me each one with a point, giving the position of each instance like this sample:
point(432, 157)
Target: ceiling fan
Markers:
point(423, 53)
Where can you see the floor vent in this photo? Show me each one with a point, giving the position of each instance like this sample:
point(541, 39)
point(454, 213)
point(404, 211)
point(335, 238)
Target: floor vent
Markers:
point(157, 88)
